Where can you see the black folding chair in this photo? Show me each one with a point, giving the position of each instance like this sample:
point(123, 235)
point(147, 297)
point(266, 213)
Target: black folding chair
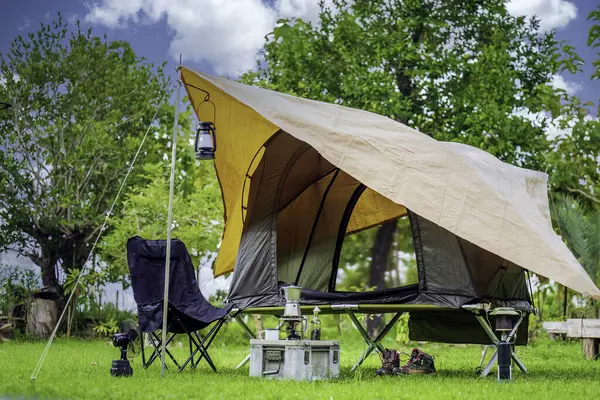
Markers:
point(188, 313)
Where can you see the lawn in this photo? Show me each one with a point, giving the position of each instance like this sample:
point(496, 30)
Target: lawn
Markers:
point(80, 369)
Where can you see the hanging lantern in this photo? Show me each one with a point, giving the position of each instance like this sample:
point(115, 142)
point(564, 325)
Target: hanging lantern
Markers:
point(206, 141)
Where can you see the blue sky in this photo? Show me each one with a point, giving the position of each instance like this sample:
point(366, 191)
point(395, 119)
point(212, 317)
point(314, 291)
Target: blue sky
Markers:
point(222, 36)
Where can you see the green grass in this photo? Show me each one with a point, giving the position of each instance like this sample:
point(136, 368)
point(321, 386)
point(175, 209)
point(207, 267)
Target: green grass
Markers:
point(79, 369)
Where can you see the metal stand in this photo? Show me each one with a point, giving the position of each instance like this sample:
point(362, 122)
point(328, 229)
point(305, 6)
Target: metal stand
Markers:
point(238, 317)
point(372, 344)
point(490, 332)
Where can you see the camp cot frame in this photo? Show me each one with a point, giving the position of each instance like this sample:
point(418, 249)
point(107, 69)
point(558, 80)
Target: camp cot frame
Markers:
point(374, 344)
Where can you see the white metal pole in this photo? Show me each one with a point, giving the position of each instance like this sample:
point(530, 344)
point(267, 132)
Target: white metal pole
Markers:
point(169, 223)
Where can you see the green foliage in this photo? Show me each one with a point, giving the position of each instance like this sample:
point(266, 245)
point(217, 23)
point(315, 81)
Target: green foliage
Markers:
point(594, 41)
point(197, 214)
point(573, 161)
point(402, 330)
point(580, 229)
point(16, 286)
point(454, 70)
point(107, 328)
point(355, 260)
point(218, 299)
point(81, 106)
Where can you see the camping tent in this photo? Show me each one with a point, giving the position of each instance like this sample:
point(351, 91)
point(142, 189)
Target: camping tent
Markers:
point(298, 175)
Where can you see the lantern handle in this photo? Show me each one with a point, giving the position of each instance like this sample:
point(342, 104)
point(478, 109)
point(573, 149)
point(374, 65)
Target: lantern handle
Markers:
point(205, 100)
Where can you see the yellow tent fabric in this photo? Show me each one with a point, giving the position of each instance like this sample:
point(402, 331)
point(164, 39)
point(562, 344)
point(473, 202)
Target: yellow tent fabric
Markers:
point(500, 208)
point(241, 133)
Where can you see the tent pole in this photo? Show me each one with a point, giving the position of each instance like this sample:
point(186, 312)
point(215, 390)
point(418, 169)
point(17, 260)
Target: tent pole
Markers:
point(169, 228)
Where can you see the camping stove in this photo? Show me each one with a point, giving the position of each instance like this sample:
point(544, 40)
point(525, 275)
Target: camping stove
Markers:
point(292, 316)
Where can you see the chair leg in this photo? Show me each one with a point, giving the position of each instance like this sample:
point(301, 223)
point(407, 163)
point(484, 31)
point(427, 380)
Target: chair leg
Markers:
point(190, 340)
point(171, 355)
point(202, 346)
point(156, 353)
point(191, 350)
point(143, 352)
point(208, 339)
point(204, 353)
point(157, 343)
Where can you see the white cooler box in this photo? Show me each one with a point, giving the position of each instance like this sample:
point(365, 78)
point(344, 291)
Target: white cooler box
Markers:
point(302, 360)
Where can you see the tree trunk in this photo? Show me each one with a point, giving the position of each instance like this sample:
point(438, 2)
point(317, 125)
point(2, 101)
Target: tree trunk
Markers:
point(48, 270)
point(42, 318)
point(379, 261)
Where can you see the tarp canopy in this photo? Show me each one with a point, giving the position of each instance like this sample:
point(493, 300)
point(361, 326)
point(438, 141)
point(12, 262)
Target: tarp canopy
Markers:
point(496, 206)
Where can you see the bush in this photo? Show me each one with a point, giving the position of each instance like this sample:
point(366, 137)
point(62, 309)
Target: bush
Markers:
point(16, 287)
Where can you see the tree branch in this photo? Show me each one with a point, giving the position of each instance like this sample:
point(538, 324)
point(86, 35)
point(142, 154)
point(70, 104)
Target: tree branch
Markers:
point(584, 194)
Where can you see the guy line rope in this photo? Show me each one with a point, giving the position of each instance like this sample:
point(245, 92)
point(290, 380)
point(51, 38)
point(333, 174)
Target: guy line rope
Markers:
point(42, 358)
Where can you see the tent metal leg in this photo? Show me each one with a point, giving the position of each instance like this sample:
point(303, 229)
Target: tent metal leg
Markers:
point(243, 362)
point(372, 344)
point(518, 362)
point(250, 334)
point(489, 365)
point(490, 332)
point(493, 360)
point(240, 321)
point(483, 354)
point(487, 328)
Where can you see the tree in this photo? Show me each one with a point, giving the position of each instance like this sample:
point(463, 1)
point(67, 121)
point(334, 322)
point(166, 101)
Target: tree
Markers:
point(580, 229)
point(458, 71)
point(81, 107)
point(573, 165)
point(197, 214)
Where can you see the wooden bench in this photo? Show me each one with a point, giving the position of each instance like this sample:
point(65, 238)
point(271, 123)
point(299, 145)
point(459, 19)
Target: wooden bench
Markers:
point(589, 331)
point(586, 329)
point(555, 330)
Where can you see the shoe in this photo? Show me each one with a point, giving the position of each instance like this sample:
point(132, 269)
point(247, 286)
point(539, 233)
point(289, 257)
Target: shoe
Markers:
point(390, 362)
point(419, 363)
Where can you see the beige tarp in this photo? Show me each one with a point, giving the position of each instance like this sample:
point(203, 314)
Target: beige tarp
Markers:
point(499, 207)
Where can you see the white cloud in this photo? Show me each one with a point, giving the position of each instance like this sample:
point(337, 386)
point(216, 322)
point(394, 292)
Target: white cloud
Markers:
point(558, 82)
point(308, 10)
point(228, 34)
point(551, 13)
point(225, 33)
